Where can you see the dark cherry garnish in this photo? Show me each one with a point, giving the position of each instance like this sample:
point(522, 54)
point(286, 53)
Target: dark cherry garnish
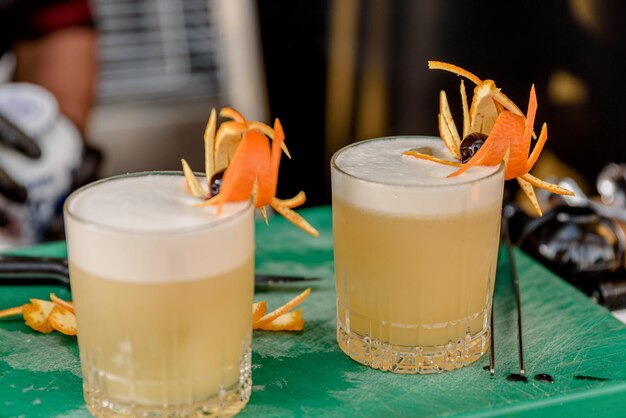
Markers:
point(471, 144)
point(216, 183)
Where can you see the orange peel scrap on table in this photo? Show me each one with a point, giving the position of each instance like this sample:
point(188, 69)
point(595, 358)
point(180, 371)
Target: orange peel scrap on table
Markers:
point(508, 130)
point(57, 314)
point(281, 318)
point(46, 316)
point(248, 152)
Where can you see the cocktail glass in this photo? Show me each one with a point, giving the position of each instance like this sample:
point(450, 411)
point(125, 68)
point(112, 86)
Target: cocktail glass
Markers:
point(163, 294)
point(415, 255)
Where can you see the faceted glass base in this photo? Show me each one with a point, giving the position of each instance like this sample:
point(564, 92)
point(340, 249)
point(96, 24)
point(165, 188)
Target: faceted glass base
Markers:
point(413, 360)
point(226, 403)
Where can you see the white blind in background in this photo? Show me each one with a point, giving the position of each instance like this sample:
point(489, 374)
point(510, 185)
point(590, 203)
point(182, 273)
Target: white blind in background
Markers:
point(158, 49)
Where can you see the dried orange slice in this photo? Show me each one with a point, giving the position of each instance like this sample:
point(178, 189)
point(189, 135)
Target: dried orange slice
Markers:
point(62, 320)
point(267, 318)
point(290, 321)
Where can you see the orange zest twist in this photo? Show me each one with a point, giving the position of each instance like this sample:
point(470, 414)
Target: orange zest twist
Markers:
point(508, 131)
point(242, 148)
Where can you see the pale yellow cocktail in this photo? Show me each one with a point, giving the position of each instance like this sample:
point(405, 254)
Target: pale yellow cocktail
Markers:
point(415, 256)
point(163, 294)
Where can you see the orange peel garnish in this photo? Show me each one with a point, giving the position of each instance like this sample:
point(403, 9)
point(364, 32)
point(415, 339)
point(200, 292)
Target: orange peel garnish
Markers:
point(62, 303)
point(209, 146)
point(293, 217)
point(466, 116)
point(249, 152)
point(258, 310)
point(11, 312)
point(46, 316)
point(439, 65)
point(267, 318)
point(293, 202)
point(497, 144)
point(509, 133)
point(290, 321)
point(483, 111)
point(62, 320)
point(528, 190)
point(422, 156)
point(229, 112)
point(193, 184)
point(58, 314)
point(450, 134)
point(36, 315)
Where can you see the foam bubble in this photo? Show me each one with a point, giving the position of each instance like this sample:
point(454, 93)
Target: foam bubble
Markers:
point(145, 228)
point(376, 176)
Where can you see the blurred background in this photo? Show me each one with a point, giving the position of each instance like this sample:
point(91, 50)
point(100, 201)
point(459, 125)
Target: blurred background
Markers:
point(339, 71)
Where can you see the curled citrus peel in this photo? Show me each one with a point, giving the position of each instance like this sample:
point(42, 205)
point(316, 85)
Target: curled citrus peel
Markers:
point(242, 148)
point(58, 314)
point(508, 131)
point(46, 316)
point(281, 318)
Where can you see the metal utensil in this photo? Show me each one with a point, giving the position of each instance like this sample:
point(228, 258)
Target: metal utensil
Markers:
point(582, 200)
point(23, 270)
point(518, 300)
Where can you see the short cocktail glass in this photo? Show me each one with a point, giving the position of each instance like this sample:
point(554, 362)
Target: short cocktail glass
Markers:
point(163, 294)
point(415, 255)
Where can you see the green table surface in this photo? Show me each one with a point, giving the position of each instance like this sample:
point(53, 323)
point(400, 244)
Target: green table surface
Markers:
point(306, 374)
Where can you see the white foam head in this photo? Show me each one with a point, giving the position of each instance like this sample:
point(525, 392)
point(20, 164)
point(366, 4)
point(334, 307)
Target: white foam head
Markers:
point(375, 175)
point(144, 227)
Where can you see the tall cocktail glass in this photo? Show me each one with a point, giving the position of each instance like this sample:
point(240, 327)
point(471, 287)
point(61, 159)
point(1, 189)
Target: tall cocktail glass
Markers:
point(163, 294)
point(415, 255)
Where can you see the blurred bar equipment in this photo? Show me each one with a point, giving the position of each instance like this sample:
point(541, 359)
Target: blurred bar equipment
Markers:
point(581, 238)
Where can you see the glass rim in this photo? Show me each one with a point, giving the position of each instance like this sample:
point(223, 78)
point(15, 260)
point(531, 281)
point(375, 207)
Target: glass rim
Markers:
point(180, 231)
point(336, 167)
